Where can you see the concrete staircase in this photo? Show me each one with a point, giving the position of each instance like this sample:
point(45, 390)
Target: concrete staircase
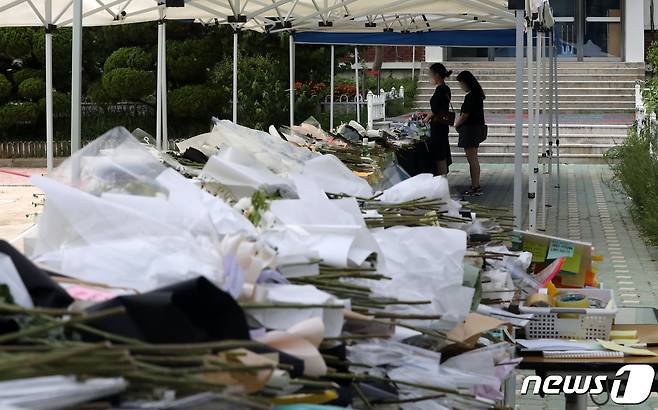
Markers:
point(587, 90)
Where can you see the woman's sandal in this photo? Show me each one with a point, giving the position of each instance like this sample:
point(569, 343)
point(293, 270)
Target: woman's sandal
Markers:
point(474, 191)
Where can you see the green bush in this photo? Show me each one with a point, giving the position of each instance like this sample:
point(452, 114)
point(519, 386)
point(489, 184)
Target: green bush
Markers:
point(18, 113)
point(127, 84)
point(199, 101)
point(635, 168)
point(262, 95)
point(5, 87)
point(32, 89)
point(26, 73)
point(129, 57)
point(61, 103)
point(16, 42)
point(97, 94)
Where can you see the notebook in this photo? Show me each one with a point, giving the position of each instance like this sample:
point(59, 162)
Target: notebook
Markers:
point(582, 354)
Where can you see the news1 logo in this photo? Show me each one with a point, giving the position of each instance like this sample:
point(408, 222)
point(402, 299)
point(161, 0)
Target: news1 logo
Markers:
point(637, 390)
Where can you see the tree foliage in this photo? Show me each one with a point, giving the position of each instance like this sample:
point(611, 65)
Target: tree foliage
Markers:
point(5, 87)
point(198, 101)
point(262, 95)
point(128, 84)
point(129, 57)
point(32, 89)
point(16, 113)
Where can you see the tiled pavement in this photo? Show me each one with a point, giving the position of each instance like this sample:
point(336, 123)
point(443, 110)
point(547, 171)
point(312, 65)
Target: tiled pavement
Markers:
point(588, 208)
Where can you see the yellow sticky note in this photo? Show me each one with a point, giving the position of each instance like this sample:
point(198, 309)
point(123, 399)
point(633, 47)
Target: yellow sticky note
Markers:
point(537, 246)
point(572, 264)
point(625, 349)
point(623, 334)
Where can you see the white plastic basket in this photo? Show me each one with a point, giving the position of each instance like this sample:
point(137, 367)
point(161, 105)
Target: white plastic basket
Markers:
point(591, 323)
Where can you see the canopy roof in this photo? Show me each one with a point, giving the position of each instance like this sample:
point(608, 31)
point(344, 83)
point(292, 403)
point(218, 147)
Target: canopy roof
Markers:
point(446, 38)
point(301, 15)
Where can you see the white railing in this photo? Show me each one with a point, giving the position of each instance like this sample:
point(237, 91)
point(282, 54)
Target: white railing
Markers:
point(641, 116)
point(376, 108)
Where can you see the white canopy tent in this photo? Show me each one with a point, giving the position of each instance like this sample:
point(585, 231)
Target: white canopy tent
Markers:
point(272, 16)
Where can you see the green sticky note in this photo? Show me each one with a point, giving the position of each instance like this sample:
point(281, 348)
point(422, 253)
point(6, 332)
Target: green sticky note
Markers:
point(537, 246)
point(572, 264)
point(560, 249)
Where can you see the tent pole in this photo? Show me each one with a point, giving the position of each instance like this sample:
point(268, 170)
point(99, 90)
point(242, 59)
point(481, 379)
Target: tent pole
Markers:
point(235, 76)
point(331, 93)
point(532, 146)
point(158, 88)
point(356, 79)
point(518, 137)
point(549, 201)
point(165, 133)
point(49, 96)
point(76, 76)
point(542, 118)
point(413, 62)
point(292, 80)
point(557, 116)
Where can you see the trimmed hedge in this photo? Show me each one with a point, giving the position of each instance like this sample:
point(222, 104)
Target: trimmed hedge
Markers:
point(5, 87)
point(194, 101)
point(17, 113)
point(129, 57)
point(61, 103)
point(26, 73)
point(32, 89)
point(128, 84)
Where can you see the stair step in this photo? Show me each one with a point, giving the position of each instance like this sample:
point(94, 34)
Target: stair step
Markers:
point(570, 83)
point(561, 90)
point(492, 97)
point(509, 159)
point(561, 64)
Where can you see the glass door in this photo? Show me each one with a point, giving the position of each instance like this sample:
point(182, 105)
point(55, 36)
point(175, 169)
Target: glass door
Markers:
point(602, 34)
point(566, 14)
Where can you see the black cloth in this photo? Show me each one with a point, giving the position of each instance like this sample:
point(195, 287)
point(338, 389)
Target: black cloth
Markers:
point(192, 311)
point(44, 291)
point(473, 106)
point(439, 144)
point(415, 160)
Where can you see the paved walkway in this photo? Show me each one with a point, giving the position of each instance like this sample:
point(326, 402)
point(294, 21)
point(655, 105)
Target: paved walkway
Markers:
point(17, 202)
point(588, 208)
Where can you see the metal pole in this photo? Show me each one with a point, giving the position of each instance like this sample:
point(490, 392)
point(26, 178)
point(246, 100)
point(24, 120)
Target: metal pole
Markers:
point(331, 93)
point(165, 133)
point(542, 118)
point(551, 94)
point(76, 76)
point(158, 92)
point(49, 95)
point(356, 80)
point(518, 137)
point(413, 62)
point(292, 81)
point(557, 118)
point(532, 143)
point(235, 76)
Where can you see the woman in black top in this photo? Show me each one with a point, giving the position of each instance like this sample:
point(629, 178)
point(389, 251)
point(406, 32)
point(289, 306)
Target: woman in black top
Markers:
point(471, 126)
point(439, 146)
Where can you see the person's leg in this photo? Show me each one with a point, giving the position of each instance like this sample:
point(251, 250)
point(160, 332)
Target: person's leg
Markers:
point(474, 165)
point(442, 167)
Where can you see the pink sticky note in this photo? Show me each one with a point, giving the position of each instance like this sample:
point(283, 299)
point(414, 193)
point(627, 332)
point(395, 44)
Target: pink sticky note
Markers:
point(91, 295)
